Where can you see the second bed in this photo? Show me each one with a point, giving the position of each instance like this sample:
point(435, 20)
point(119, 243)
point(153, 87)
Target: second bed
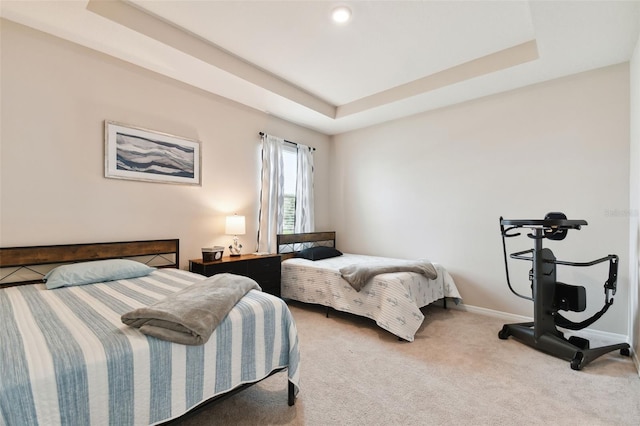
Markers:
point(392, 300)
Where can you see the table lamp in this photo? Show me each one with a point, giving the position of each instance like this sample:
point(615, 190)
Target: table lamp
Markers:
point(235, 226)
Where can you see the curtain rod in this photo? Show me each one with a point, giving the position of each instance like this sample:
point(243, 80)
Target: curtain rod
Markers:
point(289, 142)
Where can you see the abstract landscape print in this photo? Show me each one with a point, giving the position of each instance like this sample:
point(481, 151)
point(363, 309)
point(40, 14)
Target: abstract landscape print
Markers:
point(140, 154)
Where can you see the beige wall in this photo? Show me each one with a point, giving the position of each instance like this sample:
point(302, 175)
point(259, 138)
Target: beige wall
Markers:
point(431, 185)
point(55, 98)
point(434, 185)
point(634, 222)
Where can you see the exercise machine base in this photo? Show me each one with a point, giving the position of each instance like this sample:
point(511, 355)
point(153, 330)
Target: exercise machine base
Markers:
point(575, 349)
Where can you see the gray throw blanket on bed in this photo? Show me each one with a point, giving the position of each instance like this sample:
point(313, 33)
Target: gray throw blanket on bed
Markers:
point(190, 315)
point(358, 274)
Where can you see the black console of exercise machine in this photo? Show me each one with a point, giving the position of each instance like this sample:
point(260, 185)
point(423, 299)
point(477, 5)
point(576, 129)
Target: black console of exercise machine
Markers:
point(551, 296)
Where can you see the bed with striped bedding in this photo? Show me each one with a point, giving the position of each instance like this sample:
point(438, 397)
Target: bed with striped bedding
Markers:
point(66, 357)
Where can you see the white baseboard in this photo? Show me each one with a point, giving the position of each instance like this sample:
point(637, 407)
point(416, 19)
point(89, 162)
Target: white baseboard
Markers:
point(602, 336)
point(490, 313)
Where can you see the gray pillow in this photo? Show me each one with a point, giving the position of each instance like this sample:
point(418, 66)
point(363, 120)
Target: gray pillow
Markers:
point(95, 272)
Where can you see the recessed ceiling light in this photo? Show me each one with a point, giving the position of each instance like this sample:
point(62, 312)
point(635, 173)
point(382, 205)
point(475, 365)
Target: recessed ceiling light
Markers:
point(341, 14)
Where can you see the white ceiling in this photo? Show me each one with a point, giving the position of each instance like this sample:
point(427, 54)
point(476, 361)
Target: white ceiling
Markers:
point(393, 59)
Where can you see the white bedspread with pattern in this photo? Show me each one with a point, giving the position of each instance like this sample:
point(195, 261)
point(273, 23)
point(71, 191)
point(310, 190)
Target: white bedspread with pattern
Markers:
point(392, 300)
point(67, 359)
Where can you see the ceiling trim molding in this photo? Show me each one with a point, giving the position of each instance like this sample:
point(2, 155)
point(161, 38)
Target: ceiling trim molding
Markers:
point(503, 59)
point(158, 29)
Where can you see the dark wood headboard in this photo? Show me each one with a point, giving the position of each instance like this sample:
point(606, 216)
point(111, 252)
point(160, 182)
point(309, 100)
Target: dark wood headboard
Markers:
point(34, 259)
point(289, 244)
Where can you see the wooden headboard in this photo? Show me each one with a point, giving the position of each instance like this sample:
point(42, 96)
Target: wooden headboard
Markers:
point(289, 244)
point(27, 265)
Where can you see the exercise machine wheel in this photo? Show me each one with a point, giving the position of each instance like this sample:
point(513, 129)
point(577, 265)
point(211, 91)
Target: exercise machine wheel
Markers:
point(576, 362)
point(504, 333)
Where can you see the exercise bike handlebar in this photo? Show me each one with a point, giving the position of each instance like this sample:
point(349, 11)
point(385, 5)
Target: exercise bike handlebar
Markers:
point(543, 223)
point(552, 227)
point(519, 255)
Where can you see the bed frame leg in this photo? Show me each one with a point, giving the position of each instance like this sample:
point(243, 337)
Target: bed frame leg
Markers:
point(292, 394)
point(327, 313)
point(444, 302)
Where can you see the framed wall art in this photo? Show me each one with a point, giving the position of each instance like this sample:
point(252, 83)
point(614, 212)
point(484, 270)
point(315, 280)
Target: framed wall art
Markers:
point(146, 155)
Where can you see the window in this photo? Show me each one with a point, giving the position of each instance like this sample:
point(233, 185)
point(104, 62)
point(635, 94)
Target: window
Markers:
point(290, 163)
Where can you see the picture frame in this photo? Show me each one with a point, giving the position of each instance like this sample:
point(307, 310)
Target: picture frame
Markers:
point(135, 153)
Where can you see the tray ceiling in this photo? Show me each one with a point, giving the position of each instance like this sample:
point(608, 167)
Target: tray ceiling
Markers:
point(392, 59)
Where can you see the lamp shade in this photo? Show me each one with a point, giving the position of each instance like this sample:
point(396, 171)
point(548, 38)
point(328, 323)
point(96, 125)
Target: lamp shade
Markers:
point(235, 225)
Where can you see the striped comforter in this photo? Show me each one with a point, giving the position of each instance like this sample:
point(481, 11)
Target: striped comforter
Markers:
point(67, 359)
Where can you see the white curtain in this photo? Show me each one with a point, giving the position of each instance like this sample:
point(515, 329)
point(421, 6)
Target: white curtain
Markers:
point(304, 191)
point(271, 194)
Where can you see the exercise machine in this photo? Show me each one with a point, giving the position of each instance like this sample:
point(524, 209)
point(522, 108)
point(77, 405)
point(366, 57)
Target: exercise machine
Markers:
point(550, 296)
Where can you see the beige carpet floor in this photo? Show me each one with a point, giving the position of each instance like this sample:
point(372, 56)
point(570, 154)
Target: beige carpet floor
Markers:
point(456, 372)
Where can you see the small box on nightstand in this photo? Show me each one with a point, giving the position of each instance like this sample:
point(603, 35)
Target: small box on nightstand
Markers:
point(211, 254)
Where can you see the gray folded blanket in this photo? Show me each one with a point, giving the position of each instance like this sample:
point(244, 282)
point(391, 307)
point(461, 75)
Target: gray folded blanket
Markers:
point(358, 274)
point(189, 316)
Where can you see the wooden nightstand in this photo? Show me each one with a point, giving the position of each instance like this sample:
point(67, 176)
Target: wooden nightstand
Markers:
point(264, 269)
